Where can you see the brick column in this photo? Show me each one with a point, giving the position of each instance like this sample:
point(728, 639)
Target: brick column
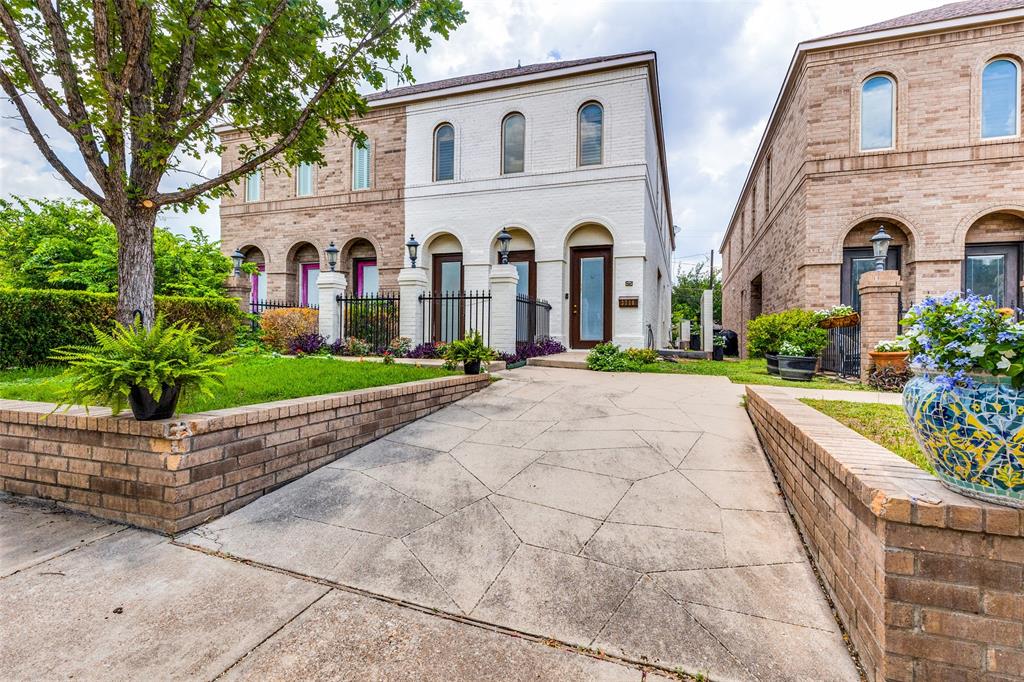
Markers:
point(239, 287)
point(412, 282)
point(879, 312)
point(503, 281)
point(329, 286)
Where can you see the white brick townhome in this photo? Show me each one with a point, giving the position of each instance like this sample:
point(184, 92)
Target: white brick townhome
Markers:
point(578, 186)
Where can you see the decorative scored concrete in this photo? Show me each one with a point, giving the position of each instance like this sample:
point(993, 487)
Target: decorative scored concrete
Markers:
point(629, 513)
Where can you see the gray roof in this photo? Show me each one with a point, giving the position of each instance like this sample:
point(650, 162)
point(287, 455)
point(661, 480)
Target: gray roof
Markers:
point(954, 10)
point(471, 79)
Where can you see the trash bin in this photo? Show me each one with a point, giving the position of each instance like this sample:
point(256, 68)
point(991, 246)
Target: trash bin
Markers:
point(732, 342)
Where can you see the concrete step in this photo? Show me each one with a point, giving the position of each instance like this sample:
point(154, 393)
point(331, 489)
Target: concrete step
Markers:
point(573, 359)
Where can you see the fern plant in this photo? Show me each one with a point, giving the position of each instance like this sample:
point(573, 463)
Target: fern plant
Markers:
point(155, 359)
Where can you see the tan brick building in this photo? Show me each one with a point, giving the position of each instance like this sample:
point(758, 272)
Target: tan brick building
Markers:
point(915, 124)
point(283, 222)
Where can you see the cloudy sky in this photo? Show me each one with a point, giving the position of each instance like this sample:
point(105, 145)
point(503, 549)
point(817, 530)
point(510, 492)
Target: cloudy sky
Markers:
point(721, 63)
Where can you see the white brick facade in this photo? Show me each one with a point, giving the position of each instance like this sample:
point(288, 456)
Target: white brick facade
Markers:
point(556, 202)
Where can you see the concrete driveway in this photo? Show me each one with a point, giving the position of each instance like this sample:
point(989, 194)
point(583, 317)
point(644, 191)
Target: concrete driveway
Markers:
point(628, 513)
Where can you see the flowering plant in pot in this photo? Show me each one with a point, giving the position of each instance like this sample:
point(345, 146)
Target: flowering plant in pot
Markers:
point(766, 333)
point(798, 361)
point(890, 355)
point(965, 402)
point(470, 351)
point(718, 347)
point(147, 369)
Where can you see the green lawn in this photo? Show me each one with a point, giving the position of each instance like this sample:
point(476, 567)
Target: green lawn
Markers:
point(250, 380)
point(887, 425)
point(746, 372)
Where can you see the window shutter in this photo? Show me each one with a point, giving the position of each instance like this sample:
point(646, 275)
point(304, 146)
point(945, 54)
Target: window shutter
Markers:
point(361, 166)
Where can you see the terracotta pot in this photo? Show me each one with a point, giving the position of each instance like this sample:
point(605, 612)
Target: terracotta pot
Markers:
point(896, 360)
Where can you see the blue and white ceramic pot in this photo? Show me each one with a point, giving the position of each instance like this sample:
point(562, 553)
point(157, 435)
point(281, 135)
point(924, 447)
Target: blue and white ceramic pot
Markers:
point(974, 437)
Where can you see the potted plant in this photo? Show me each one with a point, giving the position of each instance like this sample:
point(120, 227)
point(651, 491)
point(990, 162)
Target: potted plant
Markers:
point(965, 402)
point(470, 351)
point(890, 355)
point(147, 369)
point(838, 316)
point(718, 350)
point(766, 333)
point(798, 354)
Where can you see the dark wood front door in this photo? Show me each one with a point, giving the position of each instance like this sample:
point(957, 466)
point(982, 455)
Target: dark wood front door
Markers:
point(590, 296)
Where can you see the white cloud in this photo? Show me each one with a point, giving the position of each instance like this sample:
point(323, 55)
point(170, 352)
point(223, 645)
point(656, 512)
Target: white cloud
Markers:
point(721, 65)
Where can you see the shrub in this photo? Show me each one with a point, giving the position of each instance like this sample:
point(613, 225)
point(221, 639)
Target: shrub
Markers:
point(766, 333)
point(536, 349)
point(400, 346)
point(282, 325)
point(607, 357)
point(351, 346)
point(644, 356)
point(308, 344)
point(33, 322)
point(427, 351)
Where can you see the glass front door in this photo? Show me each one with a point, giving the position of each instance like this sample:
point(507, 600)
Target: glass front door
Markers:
point(992, 270)
point(447, 310)
point(590, 296)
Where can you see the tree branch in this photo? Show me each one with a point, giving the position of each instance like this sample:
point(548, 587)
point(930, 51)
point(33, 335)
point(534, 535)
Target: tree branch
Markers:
point(300, 123)
point(181, 72)
point(37, 136)
point(243, 70)
point(29, 67)
point(81, 127)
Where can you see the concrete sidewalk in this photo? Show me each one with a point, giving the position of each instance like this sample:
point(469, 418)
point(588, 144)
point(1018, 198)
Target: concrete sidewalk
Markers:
point(626, 515)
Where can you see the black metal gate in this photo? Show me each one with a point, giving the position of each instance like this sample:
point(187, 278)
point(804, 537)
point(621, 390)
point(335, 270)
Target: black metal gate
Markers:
point(373, 318)
point(450, 315)
point(533, 320)
point(842, 355)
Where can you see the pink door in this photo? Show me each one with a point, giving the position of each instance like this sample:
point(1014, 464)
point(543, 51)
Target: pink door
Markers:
point(259, 284)
point(307, 292)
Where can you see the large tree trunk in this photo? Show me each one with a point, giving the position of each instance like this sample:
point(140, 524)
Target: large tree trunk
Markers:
point(135, 265)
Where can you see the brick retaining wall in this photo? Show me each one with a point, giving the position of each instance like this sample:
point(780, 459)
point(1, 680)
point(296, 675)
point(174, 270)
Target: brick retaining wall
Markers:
point(174, 474)
point(929, 584)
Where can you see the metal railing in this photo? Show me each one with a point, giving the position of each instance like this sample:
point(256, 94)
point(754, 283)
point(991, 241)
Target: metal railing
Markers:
point(533, 320)
point(373, 318)
point(260, 306)
point(842, 355)
point(450, 315)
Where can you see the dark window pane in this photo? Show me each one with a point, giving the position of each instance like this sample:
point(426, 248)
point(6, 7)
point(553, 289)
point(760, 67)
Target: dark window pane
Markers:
point(858, 266)
point(444, 153)
point(591, 132)
point(985, 275)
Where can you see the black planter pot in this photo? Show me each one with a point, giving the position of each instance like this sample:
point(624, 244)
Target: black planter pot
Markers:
point(773, 362)
point(694, 341)
point(471, 367)
point(797, 368)
point(146, 409)
point(718, 353)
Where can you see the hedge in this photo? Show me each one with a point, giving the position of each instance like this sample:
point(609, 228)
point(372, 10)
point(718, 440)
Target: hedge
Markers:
point(34, 322)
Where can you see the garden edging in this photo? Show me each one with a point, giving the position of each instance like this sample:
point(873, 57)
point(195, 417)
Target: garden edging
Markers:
point(927, 582)
point(174, 474)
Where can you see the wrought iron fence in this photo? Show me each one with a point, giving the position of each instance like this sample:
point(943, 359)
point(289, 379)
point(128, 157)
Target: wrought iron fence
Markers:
point(450, 315)
point(533, 320)
point(842, 355)
point(373, 318)
point(259, 307)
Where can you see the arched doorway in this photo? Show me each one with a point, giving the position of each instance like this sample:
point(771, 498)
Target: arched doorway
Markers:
point(253, 254)
point(590, 249)
point(359, 263)
point(992, 258)
point(303, 271)
point(522, 255)
point(858, 257)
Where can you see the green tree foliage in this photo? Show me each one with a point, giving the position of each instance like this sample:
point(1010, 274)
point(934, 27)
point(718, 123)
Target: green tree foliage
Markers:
point(72, 245)
point(140, 88)
point(686, 293)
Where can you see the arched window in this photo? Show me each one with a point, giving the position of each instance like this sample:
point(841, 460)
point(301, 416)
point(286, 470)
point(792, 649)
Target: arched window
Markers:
point(1000, 99)
point(361, 165)
point(591, 134)
point(304, 180)
point(513, 143)
point(878, 113)
point(444, 152)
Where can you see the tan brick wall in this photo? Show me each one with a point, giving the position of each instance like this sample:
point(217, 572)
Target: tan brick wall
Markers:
point(939, 181)
point(879, 313)
point(171, 475)
point(288, 229)
point(928, 583)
